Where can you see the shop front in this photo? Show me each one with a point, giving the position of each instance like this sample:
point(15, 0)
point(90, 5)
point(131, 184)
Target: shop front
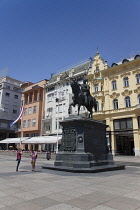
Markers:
point(125, 144)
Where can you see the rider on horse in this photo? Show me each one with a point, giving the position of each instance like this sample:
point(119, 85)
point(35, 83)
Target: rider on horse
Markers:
point(85, 91)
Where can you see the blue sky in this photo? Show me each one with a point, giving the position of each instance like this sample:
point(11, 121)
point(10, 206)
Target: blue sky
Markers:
point(40, 37)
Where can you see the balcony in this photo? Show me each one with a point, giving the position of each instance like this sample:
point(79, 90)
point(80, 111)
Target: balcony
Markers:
point(98, 94)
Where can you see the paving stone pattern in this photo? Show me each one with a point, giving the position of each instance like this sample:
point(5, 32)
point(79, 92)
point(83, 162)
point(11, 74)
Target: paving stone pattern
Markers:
point(57, 190)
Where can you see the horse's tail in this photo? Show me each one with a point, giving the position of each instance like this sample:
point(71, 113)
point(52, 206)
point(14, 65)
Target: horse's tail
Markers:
point(93, 103)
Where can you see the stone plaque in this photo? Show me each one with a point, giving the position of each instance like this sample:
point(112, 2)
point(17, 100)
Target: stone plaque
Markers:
point(69, 138)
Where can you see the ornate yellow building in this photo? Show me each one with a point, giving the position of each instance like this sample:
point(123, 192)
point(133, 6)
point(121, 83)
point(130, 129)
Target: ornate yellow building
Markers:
point(117, 90)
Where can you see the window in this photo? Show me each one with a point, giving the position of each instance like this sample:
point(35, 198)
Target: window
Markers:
point(8, 87)
point(96, 87)
point(138, 78)
point(114, 85)
point(129, 123)
point(24, 123)
point(127, 101)
point(50, 97)
point(116, 124)
point(123, 124)
point(34, 135)
point(30, 97)
point(7, 94)
point(34, 122)
point(34, 109)
point(30, 110)
point(60, 108)
point(115, 103)
point(126, 81)
point(48, 127)
point(50, 109)
point(29, 123)
point(14, 111)
point(139, 99)
point(139, 121)
point(15, 89)
point(26, 99)
point(25, 111)
point(16, 96)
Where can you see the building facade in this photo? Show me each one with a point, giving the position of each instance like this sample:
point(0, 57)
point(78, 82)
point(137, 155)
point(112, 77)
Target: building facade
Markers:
point(117, 90)
point(33, 99)
point(10, 101)
point(59, 97)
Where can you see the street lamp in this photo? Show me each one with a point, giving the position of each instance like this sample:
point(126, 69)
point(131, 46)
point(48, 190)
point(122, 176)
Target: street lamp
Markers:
point(57, 101)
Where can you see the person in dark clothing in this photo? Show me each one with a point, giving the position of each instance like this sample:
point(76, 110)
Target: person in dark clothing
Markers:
point(19, 153)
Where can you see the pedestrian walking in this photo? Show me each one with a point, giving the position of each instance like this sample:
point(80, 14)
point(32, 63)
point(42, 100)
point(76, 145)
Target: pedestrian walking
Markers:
point(33, 159)
point(19, 153)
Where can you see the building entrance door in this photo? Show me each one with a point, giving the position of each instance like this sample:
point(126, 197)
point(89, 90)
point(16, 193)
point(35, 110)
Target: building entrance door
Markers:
point(125, 145)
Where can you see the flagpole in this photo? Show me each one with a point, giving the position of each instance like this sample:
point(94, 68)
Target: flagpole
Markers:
point(21, 132)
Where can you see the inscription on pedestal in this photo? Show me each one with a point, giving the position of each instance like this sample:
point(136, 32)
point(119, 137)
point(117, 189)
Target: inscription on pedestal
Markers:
point(69, 136)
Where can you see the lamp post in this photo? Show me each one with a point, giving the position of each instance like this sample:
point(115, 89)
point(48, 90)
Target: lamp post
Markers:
point(57, 100)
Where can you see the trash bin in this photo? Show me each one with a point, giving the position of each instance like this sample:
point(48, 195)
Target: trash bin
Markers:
point(48, 155)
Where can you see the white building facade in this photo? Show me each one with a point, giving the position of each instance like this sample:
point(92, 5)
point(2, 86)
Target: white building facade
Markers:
point(59, 96)
point(10, 102)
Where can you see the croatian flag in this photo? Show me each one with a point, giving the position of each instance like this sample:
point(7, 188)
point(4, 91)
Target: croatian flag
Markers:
point(19, 117)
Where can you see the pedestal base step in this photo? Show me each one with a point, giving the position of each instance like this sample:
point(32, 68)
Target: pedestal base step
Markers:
point(95, 169)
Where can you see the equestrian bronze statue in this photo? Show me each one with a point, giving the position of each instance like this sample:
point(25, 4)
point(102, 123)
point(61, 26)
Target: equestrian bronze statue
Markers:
point(82, 97)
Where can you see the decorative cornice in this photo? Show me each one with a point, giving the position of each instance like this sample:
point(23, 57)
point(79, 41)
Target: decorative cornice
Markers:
point(113, 78)
point(95, 81)
point(98, 97)
point(126, 92)
point(125, 74)
point(114, 95)
point(137, 90)
point(106, 92)
point(136, 71)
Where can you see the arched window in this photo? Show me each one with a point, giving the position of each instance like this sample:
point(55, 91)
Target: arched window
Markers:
point(127, 101)
point(115, 103)
point(114, 84)
point(138, 78)
point(96, 88)
point(126, 81)
point(139, 98)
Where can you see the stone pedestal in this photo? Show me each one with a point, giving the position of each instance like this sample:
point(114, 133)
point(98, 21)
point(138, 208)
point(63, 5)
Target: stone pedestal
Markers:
point(84, 147)
point(83, 144)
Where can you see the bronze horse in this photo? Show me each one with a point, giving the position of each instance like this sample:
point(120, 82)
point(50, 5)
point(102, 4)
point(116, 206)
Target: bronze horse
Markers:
point(79, 99)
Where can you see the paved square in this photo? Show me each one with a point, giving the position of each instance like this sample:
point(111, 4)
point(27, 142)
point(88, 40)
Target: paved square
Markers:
point(57, 190)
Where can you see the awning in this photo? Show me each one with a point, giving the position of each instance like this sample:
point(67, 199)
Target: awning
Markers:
point(42, 140)
point(13, 140)
point(33, 140)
